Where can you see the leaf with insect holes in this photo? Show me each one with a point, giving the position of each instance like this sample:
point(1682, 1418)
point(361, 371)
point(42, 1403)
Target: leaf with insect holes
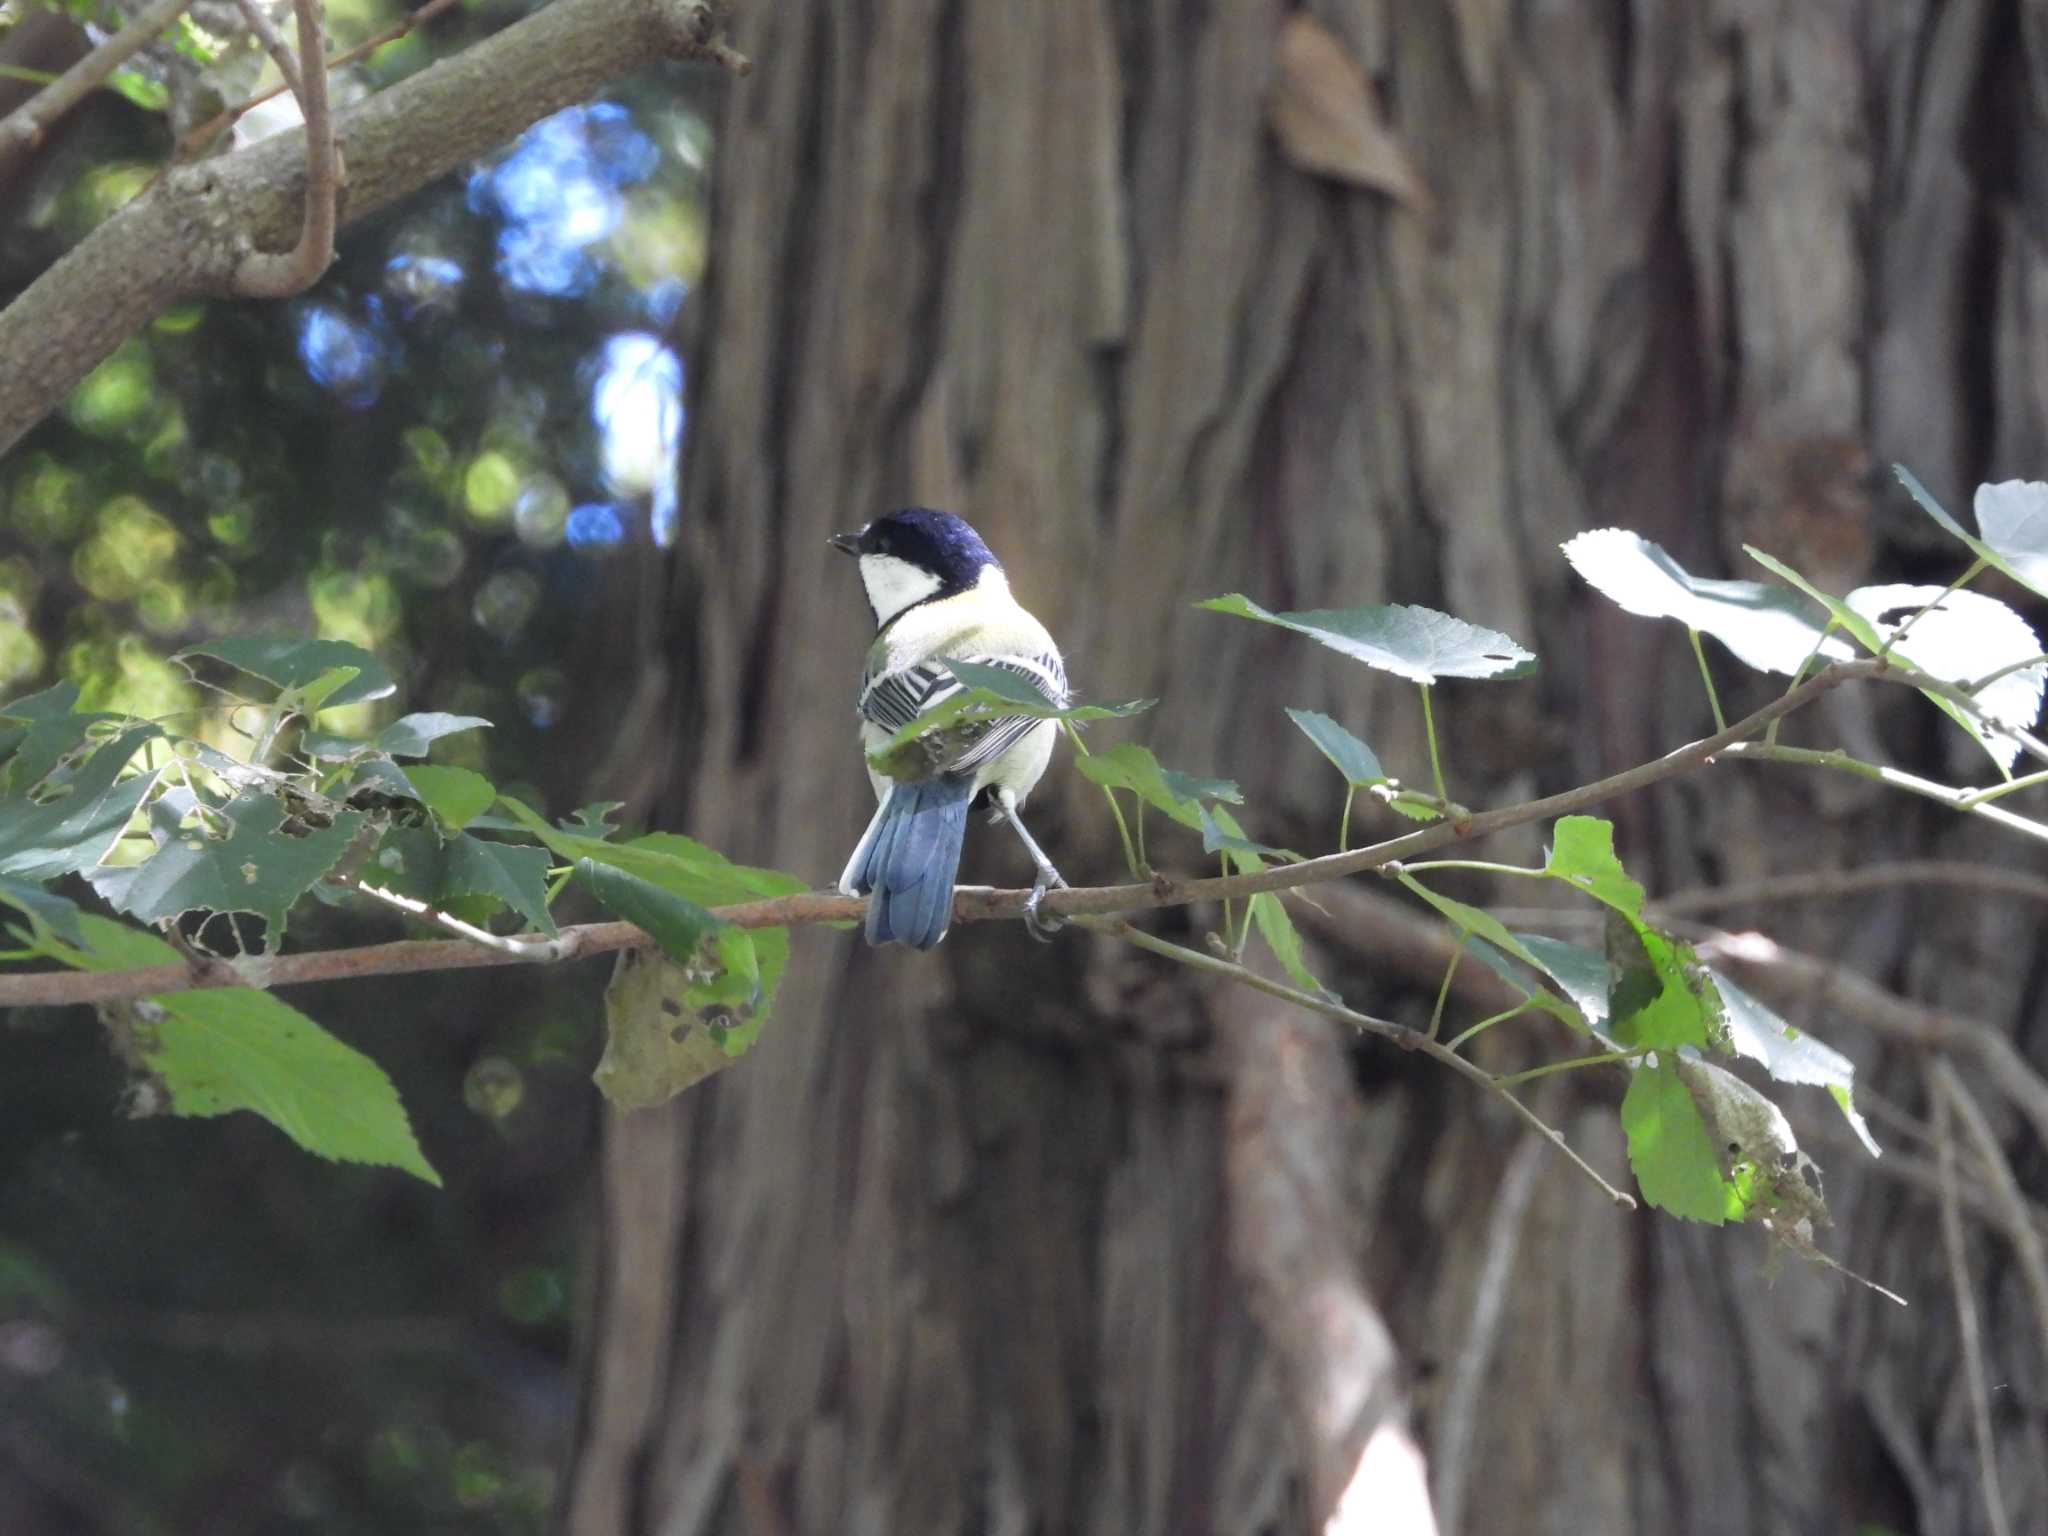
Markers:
point(1419, 644)
point(1179, 795)
point(670, 1025)
point(1766, 627)
point(221, 1049)
point(1347, 754)
point(77, 815)
point(293, 662)
point(407, 736)
point(2012, 516)
point(1791, 1055)
point(418, 862)
point(1670, 1150)
point(42, 908)
point(37, 732)
point(255, 867)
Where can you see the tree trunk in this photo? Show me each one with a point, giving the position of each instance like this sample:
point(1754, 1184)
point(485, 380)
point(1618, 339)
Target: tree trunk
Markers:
point(988, 1239)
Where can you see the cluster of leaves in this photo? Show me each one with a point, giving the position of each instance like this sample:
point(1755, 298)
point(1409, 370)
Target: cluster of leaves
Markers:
point(215, 850)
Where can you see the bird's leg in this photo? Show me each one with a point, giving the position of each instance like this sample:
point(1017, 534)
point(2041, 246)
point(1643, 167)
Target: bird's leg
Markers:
point(1041, 929)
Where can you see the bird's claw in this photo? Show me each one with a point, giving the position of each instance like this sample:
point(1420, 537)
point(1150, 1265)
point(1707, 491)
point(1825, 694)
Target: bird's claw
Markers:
point(1040, 928)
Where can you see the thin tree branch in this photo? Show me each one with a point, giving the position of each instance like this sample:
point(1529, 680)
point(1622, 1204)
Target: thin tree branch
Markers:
point(187, 237)
point(1829, 885)
point(2005, 1190)
point(970, 903)
point(531, 951)
point(270, 275)
point(279, 50)
point(1964, 801)
point(24, 127)
point(1969, 1339)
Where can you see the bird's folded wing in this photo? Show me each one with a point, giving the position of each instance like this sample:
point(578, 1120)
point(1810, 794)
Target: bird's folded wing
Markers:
point(892, 700)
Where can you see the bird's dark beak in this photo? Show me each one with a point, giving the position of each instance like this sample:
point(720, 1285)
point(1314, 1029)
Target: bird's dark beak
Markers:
point(850, 542)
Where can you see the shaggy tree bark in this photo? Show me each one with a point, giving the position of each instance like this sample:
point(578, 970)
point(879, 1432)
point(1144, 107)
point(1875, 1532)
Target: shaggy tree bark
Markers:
point(971, 1241)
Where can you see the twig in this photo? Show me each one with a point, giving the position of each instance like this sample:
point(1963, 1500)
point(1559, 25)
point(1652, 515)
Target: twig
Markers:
point(2005, 1190)
point(1964, 801)
point(273, 275)
point(1969, 1339)
point(975, 904)
point(274, 44)
point(531, 951)
point(196, 141)
point(1828, 885)
point(1460, 1411)
point(25, 126)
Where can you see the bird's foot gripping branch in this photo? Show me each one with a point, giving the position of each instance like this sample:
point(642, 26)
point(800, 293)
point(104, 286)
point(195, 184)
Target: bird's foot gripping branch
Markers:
point(206, 844)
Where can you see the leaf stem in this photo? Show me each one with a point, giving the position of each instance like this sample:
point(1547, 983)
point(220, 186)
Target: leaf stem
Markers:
point(1964, 800)
point(2000, 791)
point(1713, 699)
point(1443, 991)
point(1528, 1001)
point(1344, 821)
point(1970, 574)
point(1123, 832)
point(1436, 766)
point(1570, 1064)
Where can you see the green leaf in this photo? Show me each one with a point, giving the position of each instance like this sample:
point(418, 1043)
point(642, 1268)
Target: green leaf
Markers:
point(1130, 766)
point(1582, 973)
point(417, 862)
point(413, 735)
point(1474, 920)
point(1964, 637)
point(1347, 754)
point(40, 730)
point(1790, 1055)
point(1284, 939)
point(44, 909)
point(986, 693)
point(1419, 644)
point(1659, 994)
point(294, 662)
point(1582, 855)
point(676, 924)
point(256, 867)
point(221, 1049)
point(455, 795)
point(1837, 608)
point(667, 859)
point(1767, 627)
point(1675, 1161)
point(670, 1025)
point(1216, 838)
point(85, 812)
point(2013, 518)
point(150, 95)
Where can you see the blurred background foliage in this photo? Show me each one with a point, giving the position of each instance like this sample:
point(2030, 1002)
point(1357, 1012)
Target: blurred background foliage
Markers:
point(434, 454)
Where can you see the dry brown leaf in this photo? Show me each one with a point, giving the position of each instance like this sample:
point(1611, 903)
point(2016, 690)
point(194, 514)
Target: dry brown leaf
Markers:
point(1327, 116)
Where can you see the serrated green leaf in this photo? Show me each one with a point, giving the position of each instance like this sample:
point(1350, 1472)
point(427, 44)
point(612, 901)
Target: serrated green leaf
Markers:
point(1659, 995)
point(290, 661)
point(1130, 766)
point(1788, 1054)
point(1766, 627)
point(676, 924)
point(1347, 754)
point(86, 810)
point(1676, 1164)
point(45, 908)
point(593, 820)
point(1284, 939)
point(1217, 838)
point(920, 746)
point(38, 731)
point(221, 1049)
point(255, 867)
point(1419, 644)
point(667, 859)
point(413, 735)
point(455, 795)
point(1582, 973)
point(1582, 855)
point(1965, 636)
point(417, 862)
point(1474, 920)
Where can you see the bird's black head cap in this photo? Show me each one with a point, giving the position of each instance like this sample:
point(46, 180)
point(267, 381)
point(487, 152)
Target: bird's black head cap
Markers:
point(932, 541)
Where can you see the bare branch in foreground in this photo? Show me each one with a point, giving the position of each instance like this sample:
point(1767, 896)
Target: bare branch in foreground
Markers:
point(270, 275)
point(24, 127)
point(2005, 1190)
point(1832, 884)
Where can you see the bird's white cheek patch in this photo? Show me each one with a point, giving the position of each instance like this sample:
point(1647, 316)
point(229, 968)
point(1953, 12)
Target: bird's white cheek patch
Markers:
point(893, 585)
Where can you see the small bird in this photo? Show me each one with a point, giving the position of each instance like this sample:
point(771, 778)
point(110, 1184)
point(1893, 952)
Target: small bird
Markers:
point(938, 595)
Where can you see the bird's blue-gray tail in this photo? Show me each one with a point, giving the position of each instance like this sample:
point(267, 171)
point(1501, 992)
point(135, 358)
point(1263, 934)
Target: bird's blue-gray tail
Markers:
point(909, 858)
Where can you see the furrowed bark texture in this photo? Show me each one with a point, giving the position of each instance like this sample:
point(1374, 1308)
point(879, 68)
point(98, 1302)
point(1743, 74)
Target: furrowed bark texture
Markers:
point(961, 1246)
